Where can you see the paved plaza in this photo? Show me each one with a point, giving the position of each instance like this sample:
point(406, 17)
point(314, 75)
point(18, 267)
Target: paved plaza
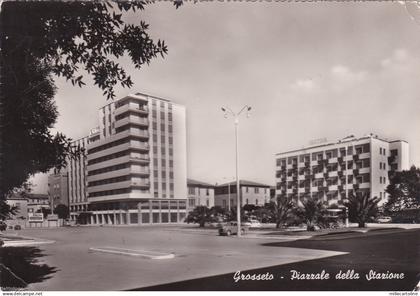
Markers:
point(197, 253)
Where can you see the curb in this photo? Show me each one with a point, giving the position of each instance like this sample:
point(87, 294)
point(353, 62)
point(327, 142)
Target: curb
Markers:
point(26, 243)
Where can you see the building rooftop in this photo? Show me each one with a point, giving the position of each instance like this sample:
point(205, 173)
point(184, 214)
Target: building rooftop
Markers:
point(191, 182)
point(36, 196)
point(350, 138)
point(245, 183)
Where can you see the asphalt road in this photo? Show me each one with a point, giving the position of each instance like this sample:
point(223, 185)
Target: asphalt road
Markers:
point(396, 251)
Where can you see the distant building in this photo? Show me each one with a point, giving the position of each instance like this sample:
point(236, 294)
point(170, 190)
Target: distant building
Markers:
point(77, 179)
point(200, 194)
point(21, 204)
point(58, 188)
point(36, 202)
point(333, 171)
point(251, 193)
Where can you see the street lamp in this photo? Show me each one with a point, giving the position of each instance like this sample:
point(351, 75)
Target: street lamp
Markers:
point(228, 181)
point(345, 203)
point(227, 111)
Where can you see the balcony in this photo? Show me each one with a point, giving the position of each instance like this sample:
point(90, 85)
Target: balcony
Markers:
point(332, 160)
point(131, 120)
point(131, 107)
point(117, 185)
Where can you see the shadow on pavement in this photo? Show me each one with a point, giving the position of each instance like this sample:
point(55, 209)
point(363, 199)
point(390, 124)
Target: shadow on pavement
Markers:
point(397, 252)
point(19, 267)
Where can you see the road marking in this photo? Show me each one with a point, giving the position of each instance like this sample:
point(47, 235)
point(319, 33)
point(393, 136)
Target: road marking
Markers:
point(137, 253)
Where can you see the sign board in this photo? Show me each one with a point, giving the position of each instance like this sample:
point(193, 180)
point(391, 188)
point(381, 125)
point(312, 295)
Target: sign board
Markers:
point(318, 141)
point(52, 217)
point(36, 218)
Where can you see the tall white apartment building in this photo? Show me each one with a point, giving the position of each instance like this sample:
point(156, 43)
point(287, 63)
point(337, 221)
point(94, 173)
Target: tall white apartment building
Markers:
point(136, 163)
point(333, 171)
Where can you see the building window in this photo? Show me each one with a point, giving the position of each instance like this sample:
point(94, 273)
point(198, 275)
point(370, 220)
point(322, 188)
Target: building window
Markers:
point(207, 202)
point(247, 201)
point(256, 201)
point(162, 127)
point(224, 203)
point(246, 189)
point(191, 190)
point(256, 190)
point(155, 174)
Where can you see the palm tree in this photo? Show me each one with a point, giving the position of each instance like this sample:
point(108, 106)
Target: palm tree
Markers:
point(281, 210)
point(311, 212)
point(362, 208)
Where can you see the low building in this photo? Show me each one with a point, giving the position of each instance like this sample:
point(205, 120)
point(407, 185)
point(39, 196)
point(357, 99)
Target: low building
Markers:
point(200, 194)
point(21, 204)
point(36, 202)
point(251, 193)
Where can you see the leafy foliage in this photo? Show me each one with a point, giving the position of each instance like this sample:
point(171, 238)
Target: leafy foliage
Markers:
point(62, 211)
point(46, 38)
point(362, 208)
point(404, 190)
point(202, 215)
point(281, 210)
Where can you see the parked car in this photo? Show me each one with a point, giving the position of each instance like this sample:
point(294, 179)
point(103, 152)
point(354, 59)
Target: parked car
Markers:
point(18, 227)
point(253, 224)
point(384, 219)
point(3, 226)
point(232, 228)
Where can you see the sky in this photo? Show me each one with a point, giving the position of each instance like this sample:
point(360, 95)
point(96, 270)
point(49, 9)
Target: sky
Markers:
point(308, 70)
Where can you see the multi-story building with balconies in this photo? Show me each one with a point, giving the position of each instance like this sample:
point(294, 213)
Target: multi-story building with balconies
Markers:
point(333, 171)
point(135, 166)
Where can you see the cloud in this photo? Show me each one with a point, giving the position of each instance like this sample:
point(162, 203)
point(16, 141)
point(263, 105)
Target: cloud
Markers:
point(304, 85)
point(400, 56)
point(345, 75)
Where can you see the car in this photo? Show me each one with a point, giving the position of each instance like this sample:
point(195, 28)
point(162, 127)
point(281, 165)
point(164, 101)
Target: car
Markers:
point(3, 226)
point(232, 228)
point(254, 224)
point(18, 227)
point(384, 219)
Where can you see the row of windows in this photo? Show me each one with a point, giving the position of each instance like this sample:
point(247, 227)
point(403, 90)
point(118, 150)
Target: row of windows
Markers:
point(109, 169)
point(132, 177)
point(364, 163)
point(162, 139)
point(359, 149)
point(191, 202)
point(363, 178)
point(110, 192)
point(130, 113)
point(193, 190)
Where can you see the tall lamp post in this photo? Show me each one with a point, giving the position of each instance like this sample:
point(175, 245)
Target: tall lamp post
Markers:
point(236, 116)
